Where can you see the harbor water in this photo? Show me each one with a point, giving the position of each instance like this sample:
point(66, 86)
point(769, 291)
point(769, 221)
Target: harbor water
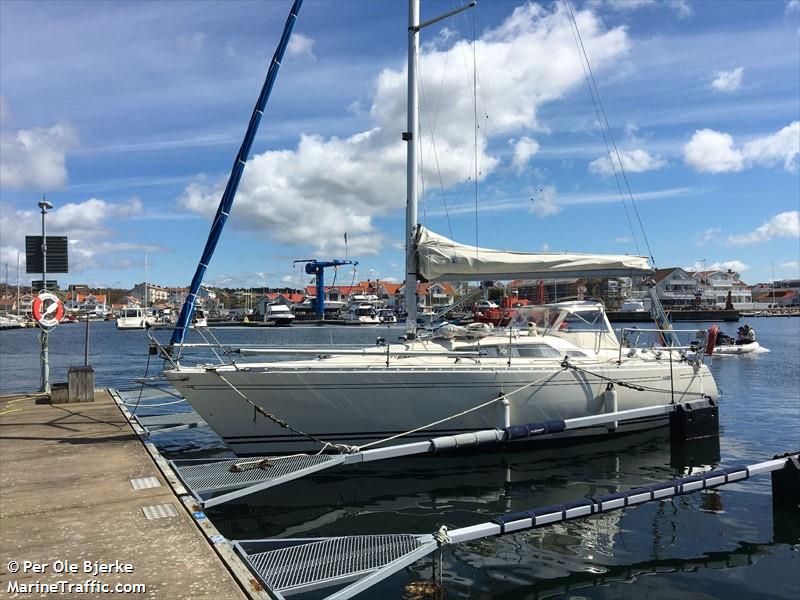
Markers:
point(725, 543)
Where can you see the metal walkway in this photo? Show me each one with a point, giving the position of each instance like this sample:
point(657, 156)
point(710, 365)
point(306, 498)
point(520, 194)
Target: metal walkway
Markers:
point(141, 403)
point(214, 482)
point(292, 566)
point(295, 566)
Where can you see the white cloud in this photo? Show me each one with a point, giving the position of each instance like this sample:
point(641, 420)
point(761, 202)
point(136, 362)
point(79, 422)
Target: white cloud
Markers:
point(623, 239)
point(633, 161)
point(792, 265)
point(770, 150)
point(728, 81)
point(36, 158)
point(301, 45)
point(708, 235)
point(792, 6)
point(734, 265)
point(545, 204)
point(524, 149)
point(88, 224)
point(785, 224)
point(682, 7)
point(327, 186)
point(714, 151)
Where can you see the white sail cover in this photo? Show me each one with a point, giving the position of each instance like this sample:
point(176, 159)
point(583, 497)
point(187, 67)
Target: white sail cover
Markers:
point(442, 259)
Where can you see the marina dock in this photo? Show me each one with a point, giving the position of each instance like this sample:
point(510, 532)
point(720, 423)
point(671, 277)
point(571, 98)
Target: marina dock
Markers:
point(85, 503)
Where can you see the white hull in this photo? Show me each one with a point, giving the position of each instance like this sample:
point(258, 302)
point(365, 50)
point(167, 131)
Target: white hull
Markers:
point(737, 348)
point(134, 323)
point(360, 405)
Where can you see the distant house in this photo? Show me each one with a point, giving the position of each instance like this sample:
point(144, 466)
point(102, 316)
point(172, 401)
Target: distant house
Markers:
point(675, 288)
point(716, 285)
point(289, 299)
point(96, 304)
point(429, 295)
point(777, 297)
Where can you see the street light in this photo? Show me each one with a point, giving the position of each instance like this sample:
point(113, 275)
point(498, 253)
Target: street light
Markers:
point(44, 205)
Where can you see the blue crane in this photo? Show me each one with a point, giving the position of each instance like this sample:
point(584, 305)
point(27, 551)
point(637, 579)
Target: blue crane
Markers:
point(317, 269)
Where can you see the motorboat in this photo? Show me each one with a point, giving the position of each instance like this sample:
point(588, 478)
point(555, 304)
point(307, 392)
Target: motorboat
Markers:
point(632, 305)
point(135, 317)
point(199, 319)
point(278, 314)
point(387, 316)
point(361, 313)
point(551, 362)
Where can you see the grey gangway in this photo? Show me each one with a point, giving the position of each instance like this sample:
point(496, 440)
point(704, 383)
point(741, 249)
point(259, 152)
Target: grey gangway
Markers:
point(292, 566)
point(214, 482)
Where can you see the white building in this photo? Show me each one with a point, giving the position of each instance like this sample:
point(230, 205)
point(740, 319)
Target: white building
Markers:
point(716, 285)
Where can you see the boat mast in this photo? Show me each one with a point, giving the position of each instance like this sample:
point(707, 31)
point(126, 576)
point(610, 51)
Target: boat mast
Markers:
point(409, 136)
point(226, 202)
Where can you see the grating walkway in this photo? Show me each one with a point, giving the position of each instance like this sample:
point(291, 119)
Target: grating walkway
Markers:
point(223, 475)
point(301, 566)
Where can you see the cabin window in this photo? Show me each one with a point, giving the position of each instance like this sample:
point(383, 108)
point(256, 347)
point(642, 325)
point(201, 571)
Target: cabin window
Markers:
point(576, 353)
point(537, 351)
point(584, 321)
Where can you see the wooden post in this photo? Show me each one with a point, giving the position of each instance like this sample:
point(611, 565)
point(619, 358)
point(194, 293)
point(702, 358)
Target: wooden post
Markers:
point(81, 384)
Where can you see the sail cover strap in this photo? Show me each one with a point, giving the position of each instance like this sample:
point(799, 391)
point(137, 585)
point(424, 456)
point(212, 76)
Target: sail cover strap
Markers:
point(224, 208)
point(442, 259)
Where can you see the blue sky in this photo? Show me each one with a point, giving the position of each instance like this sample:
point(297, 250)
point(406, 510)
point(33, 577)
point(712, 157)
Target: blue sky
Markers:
point(128, 116)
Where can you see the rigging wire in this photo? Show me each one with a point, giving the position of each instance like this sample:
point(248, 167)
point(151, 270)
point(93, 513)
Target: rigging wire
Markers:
point(475, 116)
point(599, 103)
point(432, 126)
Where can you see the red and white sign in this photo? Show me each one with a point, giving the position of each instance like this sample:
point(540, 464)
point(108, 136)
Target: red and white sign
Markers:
point(48, 310)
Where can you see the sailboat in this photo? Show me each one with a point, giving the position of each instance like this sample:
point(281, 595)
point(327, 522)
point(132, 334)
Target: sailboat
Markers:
point(553, 362)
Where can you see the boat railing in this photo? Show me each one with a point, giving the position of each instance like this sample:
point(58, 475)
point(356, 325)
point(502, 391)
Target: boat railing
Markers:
point(628, 342)
point(227, 353)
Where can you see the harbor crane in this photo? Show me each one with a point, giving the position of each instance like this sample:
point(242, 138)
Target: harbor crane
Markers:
point(317, 269)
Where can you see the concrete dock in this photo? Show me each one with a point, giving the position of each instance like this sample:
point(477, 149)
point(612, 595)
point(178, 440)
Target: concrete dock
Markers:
point(69, 507)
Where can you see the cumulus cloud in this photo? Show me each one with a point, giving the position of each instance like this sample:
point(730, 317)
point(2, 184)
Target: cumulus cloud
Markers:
point(300, 45)
point(36, 158)
point(782, 147)
point(320, 189)
point(524, 149)
point(88, 224)
point(708, 235)
point(785, 224)
point(733, 265)
point(728, 81)
point(715, 152)
point(792, 265)
point(633, 161)
point(545, 204)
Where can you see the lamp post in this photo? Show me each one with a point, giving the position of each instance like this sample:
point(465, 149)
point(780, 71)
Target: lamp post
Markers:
point(44, 205)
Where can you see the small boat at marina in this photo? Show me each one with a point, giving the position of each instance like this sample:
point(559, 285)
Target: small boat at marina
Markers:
point(199, 319)
point(279, 314)
point(387, 316)
point(361, 313)
point(135, 317)
point(9, 321)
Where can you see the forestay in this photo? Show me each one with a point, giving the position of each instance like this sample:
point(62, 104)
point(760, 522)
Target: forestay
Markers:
point(442, 259)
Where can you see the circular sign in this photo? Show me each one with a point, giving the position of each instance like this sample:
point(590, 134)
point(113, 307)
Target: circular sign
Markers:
point(48, 310)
